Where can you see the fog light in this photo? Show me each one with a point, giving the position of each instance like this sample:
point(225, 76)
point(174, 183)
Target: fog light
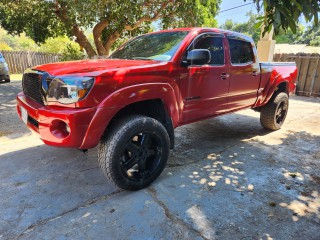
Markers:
point(59, 129)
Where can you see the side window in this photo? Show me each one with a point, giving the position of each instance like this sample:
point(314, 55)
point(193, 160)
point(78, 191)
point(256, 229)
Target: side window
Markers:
point(215, 46)
point(240, 51)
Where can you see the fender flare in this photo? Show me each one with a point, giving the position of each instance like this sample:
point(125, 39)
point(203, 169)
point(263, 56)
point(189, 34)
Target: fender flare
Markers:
point(109, 107)
point(272, 85)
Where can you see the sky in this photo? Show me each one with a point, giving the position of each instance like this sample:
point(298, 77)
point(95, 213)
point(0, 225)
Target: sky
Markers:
point(238, 14)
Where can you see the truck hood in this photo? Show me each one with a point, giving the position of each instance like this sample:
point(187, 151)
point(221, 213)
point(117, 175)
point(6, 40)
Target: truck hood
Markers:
point(94, 67)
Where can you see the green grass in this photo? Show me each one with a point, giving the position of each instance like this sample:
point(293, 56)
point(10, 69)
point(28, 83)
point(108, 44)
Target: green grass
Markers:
point(15, 77)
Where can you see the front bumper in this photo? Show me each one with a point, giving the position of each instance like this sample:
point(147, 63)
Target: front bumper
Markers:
point(57, 126)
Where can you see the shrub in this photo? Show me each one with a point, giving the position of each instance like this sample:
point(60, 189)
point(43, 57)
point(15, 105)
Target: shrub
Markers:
point(72, 53)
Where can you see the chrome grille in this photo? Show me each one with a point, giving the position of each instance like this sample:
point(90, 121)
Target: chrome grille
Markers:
point(31, 84)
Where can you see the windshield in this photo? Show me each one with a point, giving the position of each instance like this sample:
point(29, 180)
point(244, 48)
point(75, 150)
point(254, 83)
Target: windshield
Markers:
point(158, 46)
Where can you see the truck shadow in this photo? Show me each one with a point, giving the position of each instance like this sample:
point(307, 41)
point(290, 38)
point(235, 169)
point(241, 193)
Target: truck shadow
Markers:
point(218, 133)
point(216, 171)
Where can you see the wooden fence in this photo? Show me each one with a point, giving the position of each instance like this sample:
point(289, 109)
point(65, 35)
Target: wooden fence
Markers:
point(308, 66)
point(308, 72)
point(19, 61)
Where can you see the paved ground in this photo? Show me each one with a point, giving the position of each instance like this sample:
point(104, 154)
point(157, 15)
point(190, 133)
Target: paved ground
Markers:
point(226, 179)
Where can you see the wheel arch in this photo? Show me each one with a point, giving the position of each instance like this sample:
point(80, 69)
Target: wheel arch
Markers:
point(154, 108)
point(272, 91)
point(282, 87)
point(154, 100)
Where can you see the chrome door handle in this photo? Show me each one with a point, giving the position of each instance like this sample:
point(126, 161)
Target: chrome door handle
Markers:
point(224, 76)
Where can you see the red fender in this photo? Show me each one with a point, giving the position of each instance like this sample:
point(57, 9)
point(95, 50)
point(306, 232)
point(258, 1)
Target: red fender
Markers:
point(108, 108)
point(278, 75)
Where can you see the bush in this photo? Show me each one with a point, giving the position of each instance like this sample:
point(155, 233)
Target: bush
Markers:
point(72, 53)
point(4, 47)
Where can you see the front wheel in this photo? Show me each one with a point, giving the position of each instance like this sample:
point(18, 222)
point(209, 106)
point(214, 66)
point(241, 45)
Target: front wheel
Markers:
point(272, 115)
point(135, 152)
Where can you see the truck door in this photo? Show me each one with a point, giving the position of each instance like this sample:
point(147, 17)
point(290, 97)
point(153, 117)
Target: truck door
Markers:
point(204, 88)
point(244, 73)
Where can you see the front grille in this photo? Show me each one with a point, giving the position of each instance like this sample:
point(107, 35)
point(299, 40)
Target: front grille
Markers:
point(31, 84)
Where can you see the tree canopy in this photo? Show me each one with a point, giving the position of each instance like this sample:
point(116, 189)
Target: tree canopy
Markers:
point(108, 19)
point(244, 27)
point(304, 35)
point(285, 14)
point(311, 36)
point(283, 36)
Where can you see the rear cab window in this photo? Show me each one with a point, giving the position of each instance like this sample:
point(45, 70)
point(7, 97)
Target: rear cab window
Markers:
point(241, 52)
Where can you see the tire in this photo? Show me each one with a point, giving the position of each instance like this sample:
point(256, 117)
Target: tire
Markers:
point(7, 80)
point(272, 115)
point(134, 153)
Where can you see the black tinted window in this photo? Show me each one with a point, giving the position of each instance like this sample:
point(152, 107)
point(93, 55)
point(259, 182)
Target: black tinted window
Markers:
point(240, 51)
point(215, 46)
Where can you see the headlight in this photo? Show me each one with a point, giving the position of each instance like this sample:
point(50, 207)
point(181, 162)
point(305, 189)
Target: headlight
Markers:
point(69, 89)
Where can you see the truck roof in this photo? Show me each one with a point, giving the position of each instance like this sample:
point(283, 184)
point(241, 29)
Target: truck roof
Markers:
point(218, 30)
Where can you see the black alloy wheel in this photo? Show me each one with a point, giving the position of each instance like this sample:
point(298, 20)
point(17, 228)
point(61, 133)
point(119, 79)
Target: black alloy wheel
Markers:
point(141, 156)
point(134, 152)
point(273, 114)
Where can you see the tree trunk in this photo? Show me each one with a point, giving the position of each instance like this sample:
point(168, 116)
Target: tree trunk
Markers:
point(82, 40)
point(97, 32)
point(111, 41)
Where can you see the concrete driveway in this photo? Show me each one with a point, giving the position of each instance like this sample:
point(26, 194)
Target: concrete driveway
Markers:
point(227, 178)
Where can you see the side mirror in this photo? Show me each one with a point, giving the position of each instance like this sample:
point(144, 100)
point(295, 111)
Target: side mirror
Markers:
point(199, 57)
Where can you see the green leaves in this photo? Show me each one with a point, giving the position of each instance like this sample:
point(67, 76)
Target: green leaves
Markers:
point(42, 19)
point(35, 18)
point(286, 14)
point(251, 28)
point(311, 36)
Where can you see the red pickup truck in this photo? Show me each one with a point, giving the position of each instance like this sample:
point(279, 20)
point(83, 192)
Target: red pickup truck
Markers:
point(131, 102)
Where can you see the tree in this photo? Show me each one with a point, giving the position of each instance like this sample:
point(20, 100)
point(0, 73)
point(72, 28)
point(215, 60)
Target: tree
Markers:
point(18, 43)
point(4, 47)
point(311, 36)
point(108, 19)
point(285, 14)
point(290, 37)
point(245, 28)
point(57, 45)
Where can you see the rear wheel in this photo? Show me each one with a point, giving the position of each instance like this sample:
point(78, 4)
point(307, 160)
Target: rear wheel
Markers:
point(272, 115)
point(7, 80)
point(135, 152)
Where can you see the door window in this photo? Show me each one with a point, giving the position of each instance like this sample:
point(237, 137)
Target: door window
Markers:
point(214, 45)
point(240, 51)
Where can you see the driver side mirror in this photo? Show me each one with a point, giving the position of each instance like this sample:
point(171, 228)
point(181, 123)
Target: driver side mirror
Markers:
point(198, 57)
